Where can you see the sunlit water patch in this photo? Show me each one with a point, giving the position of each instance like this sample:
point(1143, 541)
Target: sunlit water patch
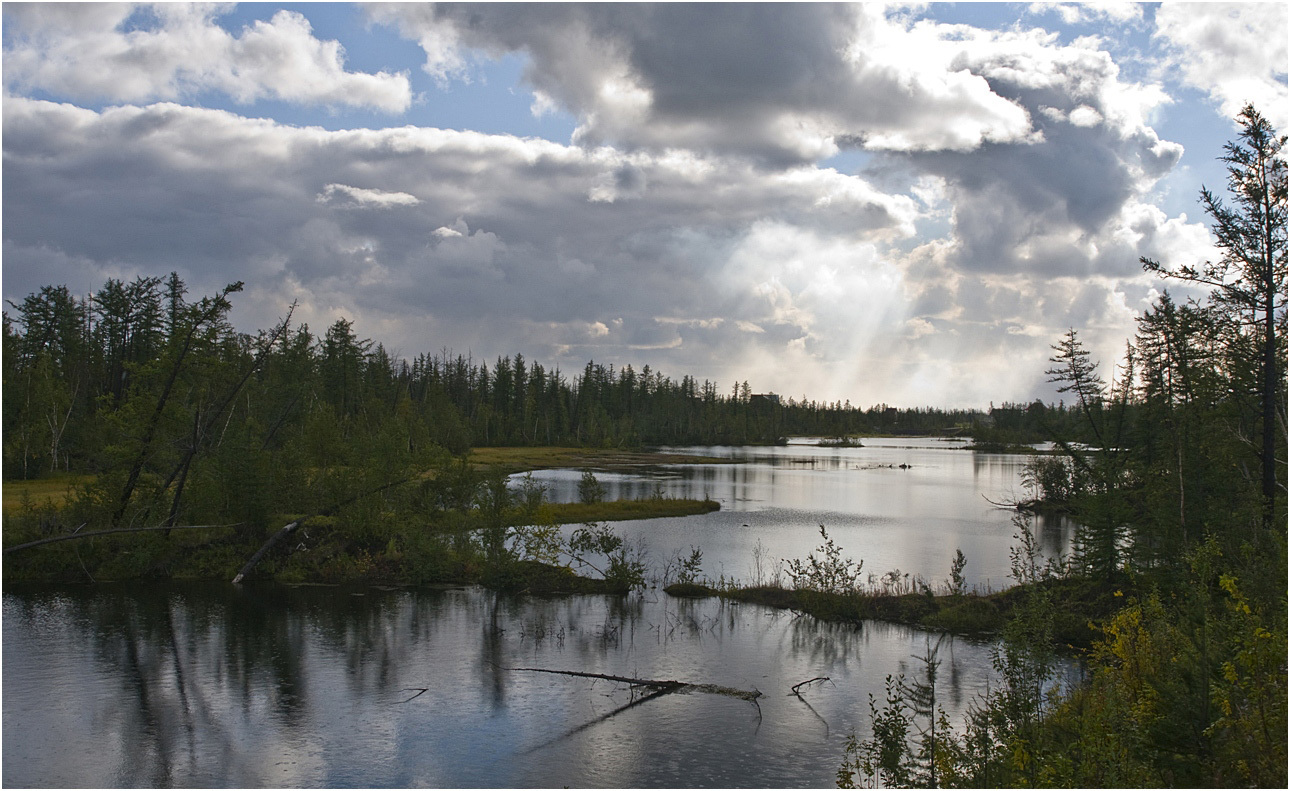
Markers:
point(901, 504)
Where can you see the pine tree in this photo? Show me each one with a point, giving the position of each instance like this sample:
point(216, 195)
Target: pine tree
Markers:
point(1249, 279)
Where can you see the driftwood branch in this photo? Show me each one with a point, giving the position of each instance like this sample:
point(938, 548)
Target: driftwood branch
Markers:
point(801, 684)
point(798, 695)
point(1028, 506)
point(636, 682)
point(94, 533)
point(419, 690)
point(668, 686)
point(264, 549)
point(659, 687)
point(277, 537)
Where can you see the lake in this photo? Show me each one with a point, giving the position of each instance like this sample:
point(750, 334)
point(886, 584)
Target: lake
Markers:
point(889, 516)
point(213, 685)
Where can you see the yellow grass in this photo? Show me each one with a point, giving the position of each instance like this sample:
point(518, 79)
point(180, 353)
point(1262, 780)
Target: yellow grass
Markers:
point(45, 491)
point(546, 457)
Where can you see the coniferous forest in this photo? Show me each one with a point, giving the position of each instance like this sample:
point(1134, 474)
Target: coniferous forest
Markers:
point(161, 414)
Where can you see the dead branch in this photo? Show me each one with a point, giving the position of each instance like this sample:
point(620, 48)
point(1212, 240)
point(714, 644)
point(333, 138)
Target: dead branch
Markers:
point(201, 431)
point(1016, 505)
point(636, 682)
point(264, 549)
point(92, 534)
point(420, 691)
point(668, 686)
point(801, 684)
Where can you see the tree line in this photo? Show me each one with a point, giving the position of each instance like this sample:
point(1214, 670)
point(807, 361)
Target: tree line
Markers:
point(137, 370)
point(1179, 487)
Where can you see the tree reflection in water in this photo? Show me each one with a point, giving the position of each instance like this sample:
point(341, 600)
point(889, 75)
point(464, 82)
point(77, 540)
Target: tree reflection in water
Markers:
point(266, 685)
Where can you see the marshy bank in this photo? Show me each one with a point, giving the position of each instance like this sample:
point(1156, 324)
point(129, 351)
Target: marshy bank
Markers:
point(460, 521)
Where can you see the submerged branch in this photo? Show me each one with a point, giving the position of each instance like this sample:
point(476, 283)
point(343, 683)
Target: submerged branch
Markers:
point(659, 687)
point(801, 684)
point(669, 686)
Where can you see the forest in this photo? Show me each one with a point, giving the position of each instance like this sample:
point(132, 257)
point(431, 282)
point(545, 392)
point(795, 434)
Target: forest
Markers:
point(72, 361)
point(162, 415)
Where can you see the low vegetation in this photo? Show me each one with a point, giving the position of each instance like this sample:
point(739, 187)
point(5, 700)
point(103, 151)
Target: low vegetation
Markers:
point(453, 523)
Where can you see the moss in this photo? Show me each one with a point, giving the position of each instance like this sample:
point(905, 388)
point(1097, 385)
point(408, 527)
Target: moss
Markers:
point(689, 590)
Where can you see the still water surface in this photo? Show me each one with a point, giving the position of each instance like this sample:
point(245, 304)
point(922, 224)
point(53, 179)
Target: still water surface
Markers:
point(212, 685)
point(910, 518)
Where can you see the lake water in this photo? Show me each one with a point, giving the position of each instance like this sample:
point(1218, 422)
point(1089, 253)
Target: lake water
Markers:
point(213, 685)
point(910, 518)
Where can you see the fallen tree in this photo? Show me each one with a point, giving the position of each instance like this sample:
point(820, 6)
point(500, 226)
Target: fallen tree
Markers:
point(662, 686)
point(292, 527)
point(75, 534)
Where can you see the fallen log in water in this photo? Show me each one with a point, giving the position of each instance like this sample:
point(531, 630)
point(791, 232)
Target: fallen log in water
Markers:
point(664, 686)
point(659, 687)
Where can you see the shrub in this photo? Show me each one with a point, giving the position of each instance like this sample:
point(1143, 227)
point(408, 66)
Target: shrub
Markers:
point(590, 490)
point(829, 573)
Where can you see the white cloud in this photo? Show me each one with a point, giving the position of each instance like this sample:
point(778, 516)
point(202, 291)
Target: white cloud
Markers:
point(355, 197)
point(1235, 52)
point(1123, 12)
point(99, 54)
point(1085, 116)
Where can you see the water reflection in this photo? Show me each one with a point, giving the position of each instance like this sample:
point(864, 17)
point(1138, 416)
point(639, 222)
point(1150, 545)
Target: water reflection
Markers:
point(211, 685)
point(896, 504)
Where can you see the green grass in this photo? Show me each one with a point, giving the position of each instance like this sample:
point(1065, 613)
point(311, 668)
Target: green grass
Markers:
point(1080, 604)
point(618, 510)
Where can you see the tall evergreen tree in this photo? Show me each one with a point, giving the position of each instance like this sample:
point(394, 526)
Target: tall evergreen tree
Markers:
point(1249, 280)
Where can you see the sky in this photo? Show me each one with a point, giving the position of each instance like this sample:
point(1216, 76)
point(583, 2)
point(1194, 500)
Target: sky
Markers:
point(901, 204)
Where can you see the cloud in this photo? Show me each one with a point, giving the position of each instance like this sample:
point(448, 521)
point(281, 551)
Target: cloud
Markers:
point(1006, 194)
point(346, 196)
point(1053, 206)
point(1121, 12)
point(475, 234)
point(783, 84)
point(123, 53)
point(1235, 52)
